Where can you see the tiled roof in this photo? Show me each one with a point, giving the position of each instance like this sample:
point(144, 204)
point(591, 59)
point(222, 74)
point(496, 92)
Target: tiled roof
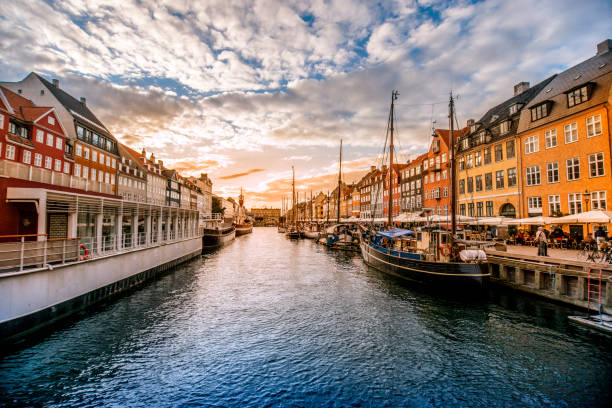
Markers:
point(444, 134)
point(31, 114)
point(73, 105)
point(23, 108)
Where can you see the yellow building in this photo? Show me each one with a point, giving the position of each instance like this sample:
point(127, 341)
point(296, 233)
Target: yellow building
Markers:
point(565, 141)
point(487, 160)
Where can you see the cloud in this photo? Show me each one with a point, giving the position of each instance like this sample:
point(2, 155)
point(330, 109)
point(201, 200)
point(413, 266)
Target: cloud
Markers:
point(293, 158)
point(237, 175)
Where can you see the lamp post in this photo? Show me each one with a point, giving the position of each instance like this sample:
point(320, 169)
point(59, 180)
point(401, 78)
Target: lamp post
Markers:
point(586, 199)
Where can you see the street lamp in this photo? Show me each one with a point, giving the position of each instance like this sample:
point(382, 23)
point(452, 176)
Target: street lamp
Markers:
point(586, 199)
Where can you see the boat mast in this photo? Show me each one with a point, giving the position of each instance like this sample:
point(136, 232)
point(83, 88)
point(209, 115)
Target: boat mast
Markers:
point(293, 215)
point(452, 164)
point(339, 183)
point(394, 95)
point(311, 203)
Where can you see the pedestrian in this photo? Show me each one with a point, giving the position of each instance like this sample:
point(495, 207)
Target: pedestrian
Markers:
point(542, 242)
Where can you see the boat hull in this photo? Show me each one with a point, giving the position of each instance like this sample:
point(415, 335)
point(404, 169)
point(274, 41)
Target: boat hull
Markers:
point(216, 238)
point(311, 234)
point(450, 274)
point(243, 229)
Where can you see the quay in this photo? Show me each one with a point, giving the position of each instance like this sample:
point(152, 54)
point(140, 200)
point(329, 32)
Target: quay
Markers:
point(559, 277)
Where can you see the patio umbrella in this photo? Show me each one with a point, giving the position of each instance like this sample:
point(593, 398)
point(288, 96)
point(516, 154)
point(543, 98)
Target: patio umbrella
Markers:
point(539, 220)
point(489, 221)
point(589, 217)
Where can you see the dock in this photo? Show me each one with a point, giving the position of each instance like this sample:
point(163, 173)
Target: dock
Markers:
point(559, 276)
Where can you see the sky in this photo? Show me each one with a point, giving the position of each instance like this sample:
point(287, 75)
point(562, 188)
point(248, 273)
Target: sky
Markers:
point(245, 90)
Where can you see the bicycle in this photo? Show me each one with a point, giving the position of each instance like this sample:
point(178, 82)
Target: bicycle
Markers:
point(589, 253)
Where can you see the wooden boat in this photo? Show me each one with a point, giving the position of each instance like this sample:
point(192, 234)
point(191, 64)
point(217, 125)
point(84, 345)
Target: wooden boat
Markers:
point(293, 230)
point(340, 236)
point(243, 223)
point(217, 237)
point(432, 256)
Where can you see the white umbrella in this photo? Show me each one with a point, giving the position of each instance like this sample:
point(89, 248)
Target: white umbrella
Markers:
point(593, 216)
point(489, 221)
point(539, 220)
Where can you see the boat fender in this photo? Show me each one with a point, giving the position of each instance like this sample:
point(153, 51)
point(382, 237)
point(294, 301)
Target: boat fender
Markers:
point(85, 252)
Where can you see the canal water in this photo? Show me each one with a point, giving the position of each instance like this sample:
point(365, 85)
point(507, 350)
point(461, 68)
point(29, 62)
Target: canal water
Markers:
point(266, 321)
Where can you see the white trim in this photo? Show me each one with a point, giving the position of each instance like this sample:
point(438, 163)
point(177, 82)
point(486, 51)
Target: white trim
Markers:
point(43, 115)
point(490, 196)
point(6, 102)
point(92, 123)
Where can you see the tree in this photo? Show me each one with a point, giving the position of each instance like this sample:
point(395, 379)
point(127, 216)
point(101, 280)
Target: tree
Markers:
point(217, 206)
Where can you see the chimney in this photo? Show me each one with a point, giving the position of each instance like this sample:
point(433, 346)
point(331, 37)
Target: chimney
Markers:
point(604, 46)
point(372, 168)
point(470, 122)
point(83, 100)
point(143, 153)
point(56, 83)
point(520, 88)
point(161, 163)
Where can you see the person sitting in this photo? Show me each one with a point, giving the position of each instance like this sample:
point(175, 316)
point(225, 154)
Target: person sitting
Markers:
point(600, 235)
point(520, 239)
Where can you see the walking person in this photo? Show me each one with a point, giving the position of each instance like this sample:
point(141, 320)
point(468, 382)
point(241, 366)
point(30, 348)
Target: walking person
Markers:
point(542, 242)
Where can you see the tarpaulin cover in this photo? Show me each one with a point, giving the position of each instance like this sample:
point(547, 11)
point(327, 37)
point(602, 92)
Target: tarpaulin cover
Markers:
point(395, 233)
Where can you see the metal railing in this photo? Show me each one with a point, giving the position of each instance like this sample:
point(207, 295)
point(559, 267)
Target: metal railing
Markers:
point(21, 254)
point(26, 172)
point(211, 216)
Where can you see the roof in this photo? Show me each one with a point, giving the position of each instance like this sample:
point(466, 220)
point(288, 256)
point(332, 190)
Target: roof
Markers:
point(23, 108)
point(444, 134)
point(131, 154)
point(73, 105)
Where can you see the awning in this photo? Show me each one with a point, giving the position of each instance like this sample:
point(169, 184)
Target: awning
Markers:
point(395, 233)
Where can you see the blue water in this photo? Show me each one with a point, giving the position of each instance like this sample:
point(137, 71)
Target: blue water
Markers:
point(266, 321)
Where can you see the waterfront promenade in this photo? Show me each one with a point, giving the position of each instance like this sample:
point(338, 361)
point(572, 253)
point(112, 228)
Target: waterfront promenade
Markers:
point(266, 321)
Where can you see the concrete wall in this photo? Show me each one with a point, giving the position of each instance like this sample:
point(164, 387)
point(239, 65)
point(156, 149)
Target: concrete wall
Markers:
point(24, 293)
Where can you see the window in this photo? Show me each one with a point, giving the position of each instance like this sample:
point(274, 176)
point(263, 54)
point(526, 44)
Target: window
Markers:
point(437, 176)
point(499, 179)
point(571, 132)
point(479, 209)
point(444, 157)
point(66, 167)
point(445, 192)
point(38, 159)
point(552, 172)
point(470, 209)
point(539, 112)
point(112, 179)
point(554, 205)
point(94, 139)
point(551, 138)
point(77, 170)
point(94, 155)
point(86, 153)
point(593, 125)
point(478, 183)
point(533, 175)
point(58, 143)
point(477, 159)
point(108, 162)
point(489, 208)
point(1, 121)
point(465, 144)
point(598, 200)
point(10, 152)
point(27, 156)
point(100, 176)
point(461, 209)
point(573, 168)
point(532, 144)
point(12, 128)
point(51, 120)
point(487, 155)
point(462, 186)
point(85, 172)
point(499, 153)
point(575, 203)
point(514, 108)
point(114, 163)
point(534, 205)
point(431, 178)
point(58, 165)
point(424, 164)
point(577, 96)
point(461, 163)
point(596, 164)
point(489, 181)
point(93, 174)
point(470, 161)
point(101, 158)
point(444, 174)
point(40, 136)
point(48, 162)
point(504, 127)
point(107, 178)
point(78, 150)
point(49, 139)
point(80, 132)
point(510, 149)
point(470, 185)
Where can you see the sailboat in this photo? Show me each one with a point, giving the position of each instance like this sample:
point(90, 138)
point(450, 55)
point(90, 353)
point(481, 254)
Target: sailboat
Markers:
point(292, 229)
point(339, 235)
point(434, 256)
point(243, 223)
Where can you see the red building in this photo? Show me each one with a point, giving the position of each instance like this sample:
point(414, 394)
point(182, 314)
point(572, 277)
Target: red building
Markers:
point(396, 192)
point(436, 172)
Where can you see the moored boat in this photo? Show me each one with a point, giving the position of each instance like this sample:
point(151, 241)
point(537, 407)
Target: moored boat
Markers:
point(217, 237)
point(244, 228)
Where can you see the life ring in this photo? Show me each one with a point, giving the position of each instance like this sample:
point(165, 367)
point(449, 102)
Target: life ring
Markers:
point(445, 249)
point(85, 252)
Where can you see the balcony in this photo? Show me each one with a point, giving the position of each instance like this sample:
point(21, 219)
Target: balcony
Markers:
point(25, 172)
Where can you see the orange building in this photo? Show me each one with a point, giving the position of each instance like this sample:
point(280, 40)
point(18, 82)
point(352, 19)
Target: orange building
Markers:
point(436, 172)
point(565, 141)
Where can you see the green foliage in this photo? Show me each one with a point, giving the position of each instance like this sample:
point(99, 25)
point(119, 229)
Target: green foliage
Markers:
point(216, 206)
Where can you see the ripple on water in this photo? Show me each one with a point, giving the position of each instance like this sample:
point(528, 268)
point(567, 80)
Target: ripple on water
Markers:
point(270, 322)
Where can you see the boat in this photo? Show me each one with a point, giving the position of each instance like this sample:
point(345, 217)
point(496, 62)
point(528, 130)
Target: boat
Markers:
point(244, 225)
point(427, 255)
point(340, 236)
point(293, 231)
point(311, 231)
point(213, 238)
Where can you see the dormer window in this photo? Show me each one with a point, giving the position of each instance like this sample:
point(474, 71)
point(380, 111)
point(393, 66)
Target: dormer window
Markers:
point(504, 127)
point(540, 111)
point(578, 95)
point(472, 128)
point(465, 143)
point(515, 108)
point(494, 118)
point(481, 137)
